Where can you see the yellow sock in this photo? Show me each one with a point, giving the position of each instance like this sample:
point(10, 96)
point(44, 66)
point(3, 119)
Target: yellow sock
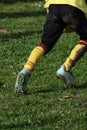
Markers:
point(75, 55)
point(34, 57)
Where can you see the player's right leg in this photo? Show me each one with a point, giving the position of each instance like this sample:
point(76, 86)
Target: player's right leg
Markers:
point(51, 32)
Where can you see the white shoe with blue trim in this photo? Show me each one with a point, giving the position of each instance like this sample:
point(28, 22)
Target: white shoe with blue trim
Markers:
point(66, 76)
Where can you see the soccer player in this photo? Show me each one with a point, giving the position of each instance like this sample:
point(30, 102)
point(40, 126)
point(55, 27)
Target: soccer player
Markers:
point(61, 14)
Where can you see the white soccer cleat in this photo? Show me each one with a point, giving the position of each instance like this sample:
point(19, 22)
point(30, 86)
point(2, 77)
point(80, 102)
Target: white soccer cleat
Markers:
point(21, 83)
point(67, 77)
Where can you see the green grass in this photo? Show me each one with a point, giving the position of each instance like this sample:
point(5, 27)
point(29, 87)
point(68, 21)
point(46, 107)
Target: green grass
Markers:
point(49, 105)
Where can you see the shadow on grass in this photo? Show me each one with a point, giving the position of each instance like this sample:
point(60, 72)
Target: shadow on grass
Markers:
point(57, 89)
point(22, 14)
point(37, 92)
point(7, 37)
point(20, 125)
point(43, 91)
point(35, 122)
point(81, 86)
point(48, 90)
point(14, 1)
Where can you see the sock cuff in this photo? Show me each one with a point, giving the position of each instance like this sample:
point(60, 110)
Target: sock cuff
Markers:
point(83, 42)
point(44, 47)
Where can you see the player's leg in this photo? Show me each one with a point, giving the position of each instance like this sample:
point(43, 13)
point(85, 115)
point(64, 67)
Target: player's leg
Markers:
point(78, 22)
point(64, 71)
point(51, 32)
point(25, 73)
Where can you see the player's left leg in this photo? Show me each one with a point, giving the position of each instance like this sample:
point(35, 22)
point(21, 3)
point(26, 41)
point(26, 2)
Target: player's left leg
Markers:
point(78, 22)
point(76, 54)
point(64, 71)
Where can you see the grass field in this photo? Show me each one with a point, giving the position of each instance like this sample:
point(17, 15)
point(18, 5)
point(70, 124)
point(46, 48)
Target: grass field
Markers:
point(49, 104)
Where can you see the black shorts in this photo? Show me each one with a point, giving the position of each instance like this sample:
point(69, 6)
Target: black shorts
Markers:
point(58, 18)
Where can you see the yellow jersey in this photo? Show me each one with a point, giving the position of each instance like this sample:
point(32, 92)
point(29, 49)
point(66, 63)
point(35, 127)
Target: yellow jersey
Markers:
point(80, 4)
